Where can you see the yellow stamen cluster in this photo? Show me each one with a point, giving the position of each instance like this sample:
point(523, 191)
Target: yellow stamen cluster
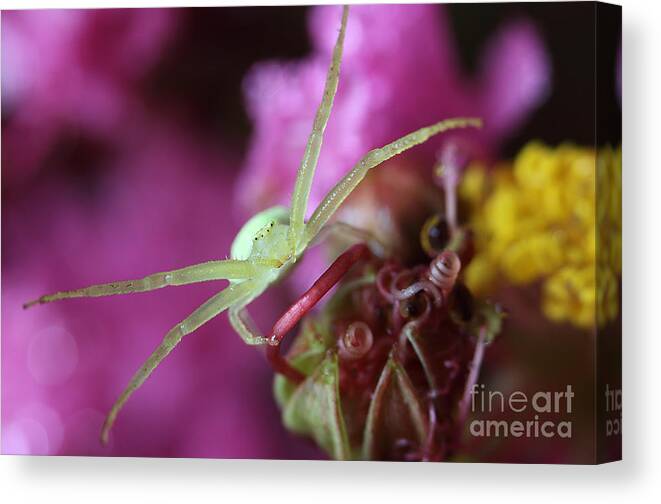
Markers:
point(535, 220)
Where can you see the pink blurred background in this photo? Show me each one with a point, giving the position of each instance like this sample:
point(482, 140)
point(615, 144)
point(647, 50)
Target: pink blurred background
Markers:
point(100, 182)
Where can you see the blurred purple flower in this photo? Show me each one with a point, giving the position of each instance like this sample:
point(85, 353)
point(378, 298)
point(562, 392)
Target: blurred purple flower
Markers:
point(64, 364)
point(73, 70)
point(400, 72)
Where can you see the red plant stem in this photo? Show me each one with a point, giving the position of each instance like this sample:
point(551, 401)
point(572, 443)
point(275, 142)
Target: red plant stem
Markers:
point(305, 303)
point(282, 366)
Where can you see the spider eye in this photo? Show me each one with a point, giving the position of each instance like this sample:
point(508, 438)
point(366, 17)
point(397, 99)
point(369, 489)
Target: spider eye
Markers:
point(435, 235)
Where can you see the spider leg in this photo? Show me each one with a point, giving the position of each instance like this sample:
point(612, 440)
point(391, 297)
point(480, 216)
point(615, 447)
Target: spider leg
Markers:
point(348, 183)
point(299, 201)
point(200, 316)
point(305, 303)
point(243, 323)
point(212, 270)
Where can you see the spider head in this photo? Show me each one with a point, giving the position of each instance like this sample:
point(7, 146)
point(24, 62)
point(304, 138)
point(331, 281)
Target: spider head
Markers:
point(263, 236)
point(270, 242)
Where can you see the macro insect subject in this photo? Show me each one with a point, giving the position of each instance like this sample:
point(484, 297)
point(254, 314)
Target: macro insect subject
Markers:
point(269, 244)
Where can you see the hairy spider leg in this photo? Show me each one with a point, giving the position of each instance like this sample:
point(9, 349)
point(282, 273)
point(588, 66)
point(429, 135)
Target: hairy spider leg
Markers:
point(230, 269)
point(375, 157)
point(210, 309)
point(301, 194)
point(305, 303)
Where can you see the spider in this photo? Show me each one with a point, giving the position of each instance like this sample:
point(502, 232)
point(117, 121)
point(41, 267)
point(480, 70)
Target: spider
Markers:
point(265, 249)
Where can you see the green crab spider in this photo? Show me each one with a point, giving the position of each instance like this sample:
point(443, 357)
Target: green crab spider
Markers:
point(265, 248)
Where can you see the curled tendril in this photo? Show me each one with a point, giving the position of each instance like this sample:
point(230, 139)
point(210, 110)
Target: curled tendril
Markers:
point(356, 341)
point(404, 277)
point(443, 270)
point(412, 326)
point(385, 273)
point(415, 287)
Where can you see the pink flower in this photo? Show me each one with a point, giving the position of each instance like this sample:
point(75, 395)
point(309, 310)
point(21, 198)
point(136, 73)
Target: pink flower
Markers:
point(399, 72)
point(155, 197)
point(73, 71)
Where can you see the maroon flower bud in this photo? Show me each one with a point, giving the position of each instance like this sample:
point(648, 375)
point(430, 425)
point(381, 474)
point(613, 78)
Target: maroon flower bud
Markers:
point(386, 363)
